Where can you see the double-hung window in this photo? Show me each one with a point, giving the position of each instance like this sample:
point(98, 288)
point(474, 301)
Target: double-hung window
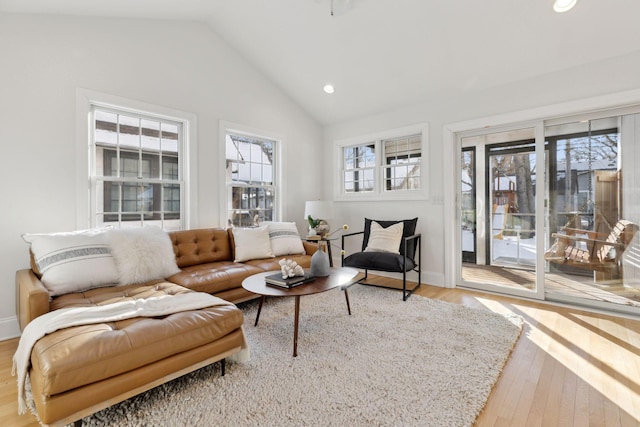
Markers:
point(383, 166)
point(359, 168)
point(402, 159)
point(250, 179)
point(136, 169)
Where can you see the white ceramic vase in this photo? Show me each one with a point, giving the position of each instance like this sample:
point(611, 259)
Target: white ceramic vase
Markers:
point(320, 264)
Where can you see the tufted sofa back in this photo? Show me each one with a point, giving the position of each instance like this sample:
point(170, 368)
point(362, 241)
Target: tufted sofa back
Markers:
point(201, 246)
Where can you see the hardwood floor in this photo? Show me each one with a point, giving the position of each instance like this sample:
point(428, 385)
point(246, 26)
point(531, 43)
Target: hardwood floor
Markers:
point(569, 367)
point(575, 286)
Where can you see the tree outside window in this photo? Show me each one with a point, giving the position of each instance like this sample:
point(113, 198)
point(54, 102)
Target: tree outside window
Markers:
point(359, 168)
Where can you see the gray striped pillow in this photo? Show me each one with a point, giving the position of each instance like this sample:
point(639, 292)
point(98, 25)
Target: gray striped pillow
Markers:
point(285, 239)
point(75, 261)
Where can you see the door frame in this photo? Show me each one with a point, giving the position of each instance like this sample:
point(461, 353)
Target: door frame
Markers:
point(482, 209)
point(472, 256)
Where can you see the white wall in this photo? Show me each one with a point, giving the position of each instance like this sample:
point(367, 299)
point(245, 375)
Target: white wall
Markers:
point(598, 79)
point(183, 66)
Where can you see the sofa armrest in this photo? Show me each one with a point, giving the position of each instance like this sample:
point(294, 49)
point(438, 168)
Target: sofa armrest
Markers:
point(32, 298)
point(310, 247)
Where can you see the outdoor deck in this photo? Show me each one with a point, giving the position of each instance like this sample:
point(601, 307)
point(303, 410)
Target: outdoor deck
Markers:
point(569, 286)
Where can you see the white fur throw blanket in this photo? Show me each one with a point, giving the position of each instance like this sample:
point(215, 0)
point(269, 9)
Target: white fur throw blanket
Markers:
point(128, 309)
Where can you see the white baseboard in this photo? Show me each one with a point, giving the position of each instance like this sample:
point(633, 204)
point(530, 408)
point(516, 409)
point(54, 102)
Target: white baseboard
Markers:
point(433, 279)
point(9, 328)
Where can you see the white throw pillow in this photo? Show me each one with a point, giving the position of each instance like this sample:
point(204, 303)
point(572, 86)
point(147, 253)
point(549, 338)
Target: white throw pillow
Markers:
point(252, 243)
point(285, 239)
point(142, 254)
point(385, 239)
point(73, 261)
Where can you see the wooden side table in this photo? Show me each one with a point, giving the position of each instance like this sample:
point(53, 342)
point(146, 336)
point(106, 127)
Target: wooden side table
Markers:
point(327, 243)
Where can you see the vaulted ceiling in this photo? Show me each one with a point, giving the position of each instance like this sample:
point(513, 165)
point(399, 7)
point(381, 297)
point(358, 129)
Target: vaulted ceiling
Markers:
point(386, 54)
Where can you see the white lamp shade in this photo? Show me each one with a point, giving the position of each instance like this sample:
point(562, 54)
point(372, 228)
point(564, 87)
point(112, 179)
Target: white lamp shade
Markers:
point(318, 209)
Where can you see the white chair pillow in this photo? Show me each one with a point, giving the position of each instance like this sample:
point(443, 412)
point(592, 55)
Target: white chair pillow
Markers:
point(385, 239)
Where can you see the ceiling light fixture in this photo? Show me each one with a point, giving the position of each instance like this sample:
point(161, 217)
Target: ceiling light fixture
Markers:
point(561, 6)
point(328, 88)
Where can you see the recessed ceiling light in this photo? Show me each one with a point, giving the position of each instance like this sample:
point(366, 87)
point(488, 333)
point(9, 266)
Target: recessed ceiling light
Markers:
point(328, 88)
point(563, 5)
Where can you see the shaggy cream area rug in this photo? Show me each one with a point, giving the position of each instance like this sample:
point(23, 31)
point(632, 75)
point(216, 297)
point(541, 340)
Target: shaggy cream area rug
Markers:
point(391, 363)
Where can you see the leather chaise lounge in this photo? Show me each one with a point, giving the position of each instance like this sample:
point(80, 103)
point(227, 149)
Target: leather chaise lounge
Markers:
point(80, 370)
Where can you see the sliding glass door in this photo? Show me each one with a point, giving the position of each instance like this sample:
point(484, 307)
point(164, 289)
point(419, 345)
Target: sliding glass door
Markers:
point(499, 182)
point(511, 199)
point(551, 210)
point(592, 258)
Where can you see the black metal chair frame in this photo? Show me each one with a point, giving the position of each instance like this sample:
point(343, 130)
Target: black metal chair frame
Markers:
point(406, 293)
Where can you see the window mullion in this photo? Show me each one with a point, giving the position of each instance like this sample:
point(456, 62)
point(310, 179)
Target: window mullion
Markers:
point(378, 176)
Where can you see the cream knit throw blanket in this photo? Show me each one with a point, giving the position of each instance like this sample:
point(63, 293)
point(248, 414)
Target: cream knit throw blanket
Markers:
point(75, 316)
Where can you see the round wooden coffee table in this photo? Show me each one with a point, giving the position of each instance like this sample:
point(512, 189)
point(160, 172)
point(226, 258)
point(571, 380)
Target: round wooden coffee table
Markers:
point(339, 277)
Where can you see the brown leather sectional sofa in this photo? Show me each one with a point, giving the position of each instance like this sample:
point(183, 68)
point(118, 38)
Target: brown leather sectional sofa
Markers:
point(80, 370)
point(206, 256)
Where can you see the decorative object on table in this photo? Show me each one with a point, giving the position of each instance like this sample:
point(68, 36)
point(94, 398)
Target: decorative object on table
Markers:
point(329, 242)
point(289, 282)
point(320, 266)
point(313, 237)
point(317, 214)
point(345, 227)
point(290, 268)
point(318, 227)
point(291, 274)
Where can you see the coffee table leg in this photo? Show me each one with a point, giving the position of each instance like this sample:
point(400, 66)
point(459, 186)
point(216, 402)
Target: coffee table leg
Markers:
point(259, 310)
point(346, 296)
point(295, 327)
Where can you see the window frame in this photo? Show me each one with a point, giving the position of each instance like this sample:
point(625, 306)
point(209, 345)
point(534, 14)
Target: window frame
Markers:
point(123, 170)
point(381, 167)
point(86, 101)
point(278, 184)
point(388, 168)
point(356, 171)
